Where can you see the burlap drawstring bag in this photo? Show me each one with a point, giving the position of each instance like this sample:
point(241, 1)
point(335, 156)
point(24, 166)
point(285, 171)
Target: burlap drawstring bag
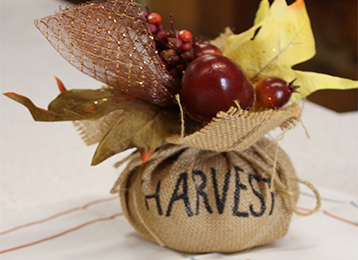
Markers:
point(203, 193)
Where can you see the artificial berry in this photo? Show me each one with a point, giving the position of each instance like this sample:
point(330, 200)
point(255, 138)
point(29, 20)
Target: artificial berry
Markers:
point(185, 35)
point(212, 83)
point(161, 27)
point(187, 46)
point(153, 28)
point(161, 36)
point(144, 14)
point(187, 56)
point(154, 18)
point(201, 49)
point(175, 43)
point(274, 92)
point(173, 34)
point(166, 54)
point(174, 60)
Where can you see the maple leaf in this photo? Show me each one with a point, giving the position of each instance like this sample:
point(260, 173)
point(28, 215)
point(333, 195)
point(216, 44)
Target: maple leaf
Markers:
point(281, 38)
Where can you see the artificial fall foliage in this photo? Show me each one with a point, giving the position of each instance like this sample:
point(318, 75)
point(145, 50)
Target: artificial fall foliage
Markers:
point(123, 57)
point(281, 38)
point(141, 124)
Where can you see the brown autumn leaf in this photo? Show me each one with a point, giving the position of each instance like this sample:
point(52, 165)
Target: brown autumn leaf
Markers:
point(144, 127)
point(77, 104)
point(141, 124)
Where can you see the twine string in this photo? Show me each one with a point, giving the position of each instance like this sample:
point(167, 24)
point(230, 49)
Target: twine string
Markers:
point(182, 128)
point(318, 199)
point(151, 232)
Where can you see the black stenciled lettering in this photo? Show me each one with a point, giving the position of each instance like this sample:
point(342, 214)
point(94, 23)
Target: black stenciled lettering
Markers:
point(238, 186)
point(258, 195)
point(220, 202)
point(156, 197)
point(268, 181)
point(182, 181)
point(200, 191)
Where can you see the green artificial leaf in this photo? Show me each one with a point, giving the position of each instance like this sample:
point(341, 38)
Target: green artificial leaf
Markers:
point(281, 38)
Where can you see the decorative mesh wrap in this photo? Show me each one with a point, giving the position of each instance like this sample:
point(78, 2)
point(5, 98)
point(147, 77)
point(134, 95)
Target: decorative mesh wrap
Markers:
point(110, 42)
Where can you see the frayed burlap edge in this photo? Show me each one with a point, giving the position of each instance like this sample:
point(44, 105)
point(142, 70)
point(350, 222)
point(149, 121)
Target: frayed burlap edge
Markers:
point(238, 129)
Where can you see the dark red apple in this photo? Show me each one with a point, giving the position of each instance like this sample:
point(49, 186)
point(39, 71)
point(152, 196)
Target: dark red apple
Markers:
point(212, 83)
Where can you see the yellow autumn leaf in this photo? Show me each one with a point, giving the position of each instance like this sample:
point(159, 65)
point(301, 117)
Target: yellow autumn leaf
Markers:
point(263, 10)
point(281, 38)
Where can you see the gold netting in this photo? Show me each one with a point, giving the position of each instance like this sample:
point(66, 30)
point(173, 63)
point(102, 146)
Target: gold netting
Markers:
point(110, 42)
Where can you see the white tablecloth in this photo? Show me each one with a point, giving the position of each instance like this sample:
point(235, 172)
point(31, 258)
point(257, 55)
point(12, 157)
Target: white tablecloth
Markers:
point(45, 168)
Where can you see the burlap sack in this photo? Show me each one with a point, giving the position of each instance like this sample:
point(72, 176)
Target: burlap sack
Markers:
point(220, 189)
point(197, 201)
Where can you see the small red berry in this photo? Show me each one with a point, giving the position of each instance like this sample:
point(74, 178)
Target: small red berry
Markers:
point(153, 28)
point(154, 18)
point(144, 14)
point(187, 46)
point(175, 43)
point(161, 36)
point(161, 27)
point(185, 35)
point(166, 54)
point(187, 56)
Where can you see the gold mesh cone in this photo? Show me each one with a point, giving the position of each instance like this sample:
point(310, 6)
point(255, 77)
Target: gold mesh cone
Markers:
point(110, 42)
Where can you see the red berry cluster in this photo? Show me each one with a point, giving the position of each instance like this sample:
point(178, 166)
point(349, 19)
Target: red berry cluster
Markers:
point(176, 48)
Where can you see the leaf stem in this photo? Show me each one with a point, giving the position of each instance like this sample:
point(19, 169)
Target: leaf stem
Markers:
point(280, 52)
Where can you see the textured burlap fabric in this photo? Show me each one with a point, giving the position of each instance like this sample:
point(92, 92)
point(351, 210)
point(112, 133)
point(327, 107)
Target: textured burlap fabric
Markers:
point(198, 201)
point(233, 130)
point(238, 129)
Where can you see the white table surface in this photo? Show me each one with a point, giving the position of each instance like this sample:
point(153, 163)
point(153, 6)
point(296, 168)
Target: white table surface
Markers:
point(45, 166)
